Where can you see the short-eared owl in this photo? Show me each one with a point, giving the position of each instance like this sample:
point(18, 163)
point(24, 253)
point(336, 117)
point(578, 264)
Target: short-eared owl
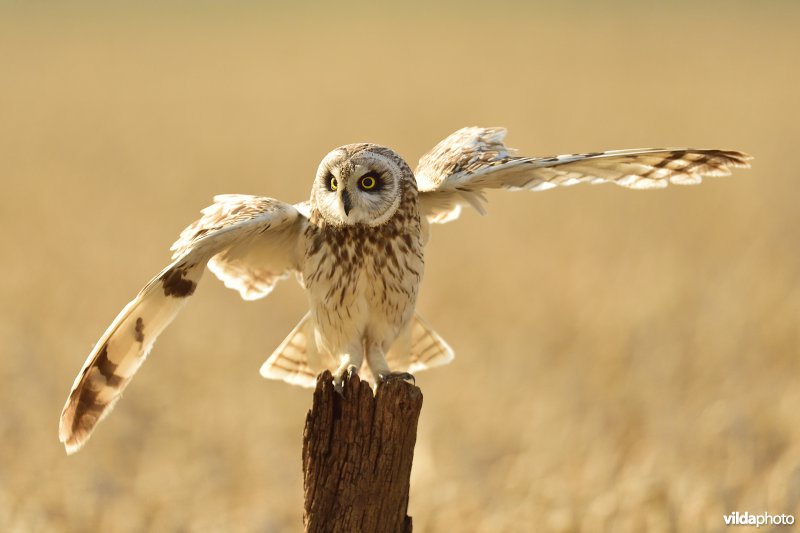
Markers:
point(357, 247)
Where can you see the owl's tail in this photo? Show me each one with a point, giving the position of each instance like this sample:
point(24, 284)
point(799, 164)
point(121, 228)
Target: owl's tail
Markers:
point(420, 348)
point(298, 360)
point(124, 346)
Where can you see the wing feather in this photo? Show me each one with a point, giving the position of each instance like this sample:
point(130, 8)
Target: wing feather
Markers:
point(460, 168)
point(258, 259)
point(125, 344)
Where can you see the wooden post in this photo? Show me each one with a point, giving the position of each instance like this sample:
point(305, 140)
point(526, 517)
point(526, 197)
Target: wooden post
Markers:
point(357, 454)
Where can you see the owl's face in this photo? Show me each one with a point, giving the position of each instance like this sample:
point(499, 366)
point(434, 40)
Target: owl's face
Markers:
point(359, 184)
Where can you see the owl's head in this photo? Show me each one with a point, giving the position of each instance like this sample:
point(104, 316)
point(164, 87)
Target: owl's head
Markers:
point(360, 184)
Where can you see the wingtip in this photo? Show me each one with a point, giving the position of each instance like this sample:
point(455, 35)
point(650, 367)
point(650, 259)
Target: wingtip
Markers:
point(746, 158)
point(75, 435)
point(739, 159)
point(72, 442)
point(65, 435)
point(72, 447)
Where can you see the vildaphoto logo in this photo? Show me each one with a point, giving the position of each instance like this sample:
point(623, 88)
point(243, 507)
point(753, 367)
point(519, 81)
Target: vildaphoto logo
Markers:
point(765, 519)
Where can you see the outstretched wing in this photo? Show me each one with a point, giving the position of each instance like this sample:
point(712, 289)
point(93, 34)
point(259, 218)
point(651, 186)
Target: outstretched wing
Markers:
point(458, 170)
point(232, 223)
point(254, 263)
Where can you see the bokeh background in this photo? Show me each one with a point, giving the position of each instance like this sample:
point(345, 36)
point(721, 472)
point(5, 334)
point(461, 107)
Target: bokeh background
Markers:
point(626, 361)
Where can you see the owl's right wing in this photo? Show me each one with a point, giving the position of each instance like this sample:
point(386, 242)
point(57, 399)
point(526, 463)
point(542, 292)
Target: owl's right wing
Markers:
point(254, 263)
point(458, 170)
point(253, 237)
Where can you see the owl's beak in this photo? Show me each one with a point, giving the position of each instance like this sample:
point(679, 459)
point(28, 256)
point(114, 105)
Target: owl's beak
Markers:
point(346, 203)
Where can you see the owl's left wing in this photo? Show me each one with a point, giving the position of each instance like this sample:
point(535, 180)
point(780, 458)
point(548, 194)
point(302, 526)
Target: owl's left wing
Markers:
point(234, 222)
point(456, 171)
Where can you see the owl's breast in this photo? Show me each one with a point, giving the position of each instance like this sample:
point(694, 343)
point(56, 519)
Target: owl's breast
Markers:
point(362, 279)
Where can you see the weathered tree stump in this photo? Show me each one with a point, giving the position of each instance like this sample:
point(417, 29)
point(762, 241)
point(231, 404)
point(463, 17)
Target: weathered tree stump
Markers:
point(357, 455)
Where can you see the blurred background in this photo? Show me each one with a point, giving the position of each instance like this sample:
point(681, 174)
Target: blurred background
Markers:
point(626, 360)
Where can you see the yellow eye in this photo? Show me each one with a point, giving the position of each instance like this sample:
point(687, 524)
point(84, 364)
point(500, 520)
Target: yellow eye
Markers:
point(333, 184)
point(368, 182)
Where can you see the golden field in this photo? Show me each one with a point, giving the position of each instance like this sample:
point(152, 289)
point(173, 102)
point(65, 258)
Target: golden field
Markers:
point(626, 361)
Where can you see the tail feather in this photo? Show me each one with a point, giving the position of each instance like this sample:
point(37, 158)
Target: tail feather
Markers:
point(123, 348)
point(297, 360)
point(421, 348)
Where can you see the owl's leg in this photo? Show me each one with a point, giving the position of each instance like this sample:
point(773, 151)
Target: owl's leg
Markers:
point(349, 363)
point(376, 359)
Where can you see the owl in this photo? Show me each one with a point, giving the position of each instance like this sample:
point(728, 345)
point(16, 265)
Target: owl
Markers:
point(357, 246)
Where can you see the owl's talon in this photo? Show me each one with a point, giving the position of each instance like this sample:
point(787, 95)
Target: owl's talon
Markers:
point(391, 376)
point(346, 374)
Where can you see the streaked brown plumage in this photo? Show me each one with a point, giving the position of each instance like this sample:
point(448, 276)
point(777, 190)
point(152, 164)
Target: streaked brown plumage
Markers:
point(357, 246)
